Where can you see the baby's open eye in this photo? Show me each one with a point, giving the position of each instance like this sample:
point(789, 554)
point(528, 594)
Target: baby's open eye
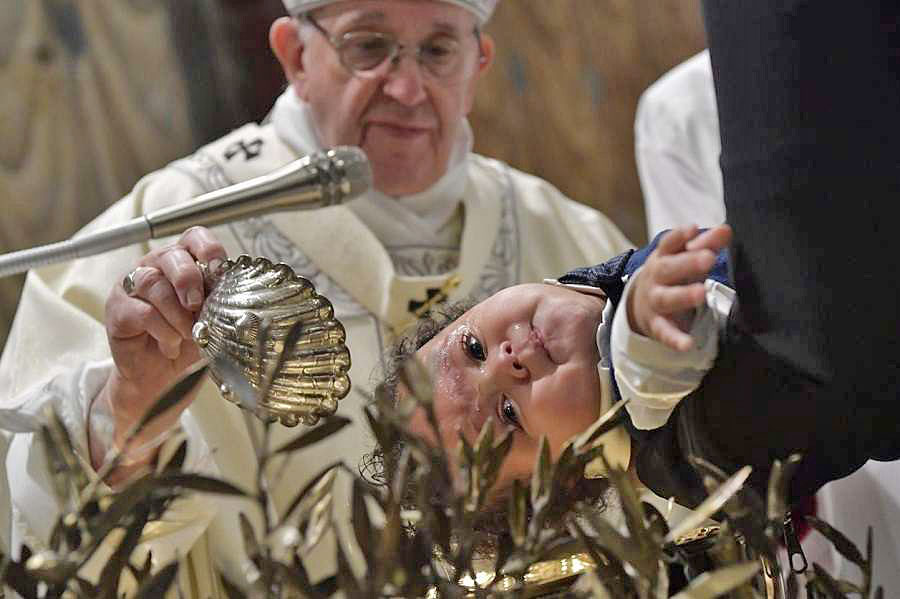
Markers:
point(473, 347)
point(508, 413)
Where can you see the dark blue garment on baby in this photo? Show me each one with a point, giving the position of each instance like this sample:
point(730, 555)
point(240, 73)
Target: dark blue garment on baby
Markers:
point(612, 275)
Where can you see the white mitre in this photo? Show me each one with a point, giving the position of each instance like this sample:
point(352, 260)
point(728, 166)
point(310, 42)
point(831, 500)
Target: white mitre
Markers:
point(483, 9)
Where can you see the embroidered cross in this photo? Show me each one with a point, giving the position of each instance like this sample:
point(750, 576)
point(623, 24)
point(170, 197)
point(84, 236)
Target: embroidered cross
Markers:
point(251, 150)
point(433, 296)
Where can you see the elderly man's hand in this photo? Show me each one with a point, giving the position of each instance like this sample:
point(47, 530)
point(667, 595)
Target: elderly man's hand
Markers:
point(669, 286)
point(149, 332)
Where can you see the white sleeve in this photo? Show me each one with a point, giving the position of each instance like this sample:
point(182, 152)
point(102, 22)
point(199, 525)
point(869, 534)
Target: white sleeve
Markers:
point(674, 194)
point(27, 488)
point(676, 132)
point(33, 508)
point(655, 377)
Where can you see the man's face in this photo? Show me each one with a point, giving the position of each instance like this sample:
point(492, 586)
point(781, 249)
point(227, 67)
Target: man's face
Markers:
point(405, 119)
point(527, 356)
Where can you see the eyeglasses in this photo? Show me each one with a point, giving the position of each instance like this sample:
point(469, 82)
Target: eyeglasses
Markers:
point(441, 56)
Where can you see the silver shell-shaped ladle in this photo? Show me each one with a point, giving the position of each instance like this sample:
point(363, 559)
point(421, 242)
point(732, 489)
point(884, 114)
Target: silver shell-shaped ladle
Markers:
point(252, 297)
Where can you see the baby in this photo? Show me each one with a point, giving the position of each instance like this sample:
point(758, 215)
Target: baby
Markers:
point(537, 358)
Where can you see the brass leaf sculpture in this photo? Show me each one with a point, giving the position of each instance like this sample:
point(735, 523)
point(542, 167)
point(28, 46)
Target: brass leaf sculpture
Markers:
point(251, 315)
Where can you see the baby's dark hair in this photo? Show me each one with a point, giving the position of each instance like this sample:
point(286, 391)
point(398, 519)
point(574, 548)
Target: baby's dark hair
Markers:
point(372, 465)
point(493, 522)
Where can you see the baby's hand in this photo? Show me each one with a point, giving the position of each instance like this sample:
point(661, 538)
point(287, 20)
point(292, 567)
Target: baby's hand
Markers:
point(669, 287)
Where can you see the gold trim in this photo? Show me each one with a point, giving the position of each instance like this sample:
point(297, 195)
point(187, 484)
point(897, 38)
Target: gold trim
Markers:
point(542, 577)
point(704, 532)
point(443, 294)
point(538, 576)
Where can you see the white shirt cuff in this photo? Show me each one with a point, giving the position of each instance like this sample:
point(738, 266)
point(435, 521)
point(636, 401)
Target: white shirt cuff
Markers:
point(655, 377)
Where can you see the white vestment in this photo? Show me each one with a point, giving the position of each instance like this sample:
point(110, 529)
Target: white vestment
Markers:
point(676, 141)
point(502, 227)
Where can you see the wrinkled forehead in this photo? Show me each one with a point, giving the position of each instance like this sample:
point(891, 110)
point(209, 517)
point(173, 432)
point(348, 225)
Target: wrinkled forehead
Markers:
point(481, 9)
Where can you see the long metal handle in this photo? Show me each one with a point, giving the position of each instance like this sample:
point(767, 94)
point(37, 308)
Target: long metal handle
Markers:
point(317, 180)
point(134, 231)
point(292, 187)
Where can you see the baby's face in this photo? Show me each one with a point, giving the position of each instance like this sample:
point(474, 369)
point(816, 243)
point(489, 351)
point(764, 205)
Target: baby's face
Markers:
point(526, 356)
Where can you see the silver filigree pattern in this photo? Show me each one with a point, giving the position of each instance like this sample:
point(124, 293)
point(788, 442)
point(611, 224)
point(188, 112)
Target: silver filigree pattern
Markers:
point(504, 267)
point(204, 170)
point(261, 237)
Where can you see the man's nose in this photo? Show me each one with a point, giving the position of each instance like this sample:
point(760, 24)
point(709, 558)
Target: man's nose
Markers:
point(404, 82)
point(507, 364)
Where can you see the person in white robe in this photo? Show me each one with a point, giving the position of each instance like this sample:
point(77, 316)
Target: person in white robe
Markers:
point(677, 148)
point(441, 220)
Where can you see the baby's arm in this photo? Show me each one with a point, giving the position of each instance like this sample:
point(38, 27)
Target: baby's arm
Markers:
point(665, 339)
point(669, 287)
